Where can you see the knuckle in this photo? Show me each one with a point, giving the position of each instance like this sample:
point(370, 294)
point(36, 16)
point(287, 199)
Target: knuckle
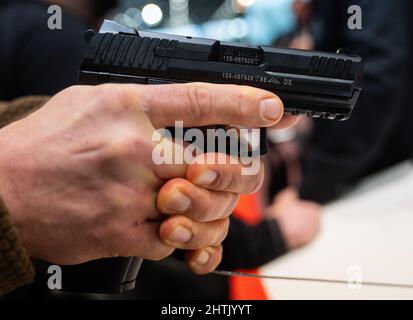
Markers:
point(70, 90)
point(200, 99)
point(125, 97)
point(111, 153)
point(245, 99)
point(223, 230)
point(223, 181)
point(233, 203)
point(103, 91)
point(230, 204)
point(130, 145)
point(124, 148)
point(203, 208)
point(74, 92)
point(256, 182)
point(210, 210)
point(216, 259)
point(113, 98)
point(199, 239)
point(102, 98)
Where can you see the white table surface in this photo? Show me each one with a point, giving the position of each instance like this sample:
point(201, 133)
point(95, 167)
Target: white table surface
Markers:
point(370, 229)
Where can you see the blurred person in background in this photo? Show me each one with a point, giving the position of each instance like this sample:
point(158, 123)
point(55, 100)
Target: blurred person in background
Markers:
point(334, 156)
point(378, 135)
point(35, 60)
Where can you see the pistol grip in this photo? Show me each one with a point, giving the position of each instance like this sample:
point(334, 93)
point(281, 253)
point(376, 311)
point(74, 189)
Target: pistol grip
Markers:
point(110, 276)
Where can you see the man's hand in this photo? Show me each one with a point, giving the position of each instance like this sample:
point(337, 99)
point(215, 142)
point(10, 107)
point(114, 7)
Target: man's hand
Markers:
point(80, 184)
point(299, 220)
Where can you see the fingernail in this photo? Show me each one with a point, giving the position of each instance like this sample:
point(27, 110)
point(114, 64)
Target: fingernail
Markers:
point(181, 235)
point(203, 258)
point(206, 178)
point(178, 202)
point(271, 109)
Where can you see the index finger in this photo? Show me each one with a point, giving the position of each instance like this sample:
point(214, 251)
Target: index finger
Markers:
point(203, 104)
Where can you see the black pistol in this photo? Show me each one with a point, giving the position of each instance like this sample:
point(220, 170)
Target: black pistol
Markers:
point(316, 84)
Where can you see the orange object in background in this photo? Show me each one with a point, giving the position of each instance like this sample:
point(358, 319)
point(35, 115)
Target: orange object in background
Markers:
point(243, 288)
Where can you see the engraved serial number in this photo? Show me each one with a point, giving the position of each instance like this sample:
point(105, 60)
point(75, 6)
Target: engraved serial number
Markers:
point(257, 78)
point(238, 76)
point(243, 60)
